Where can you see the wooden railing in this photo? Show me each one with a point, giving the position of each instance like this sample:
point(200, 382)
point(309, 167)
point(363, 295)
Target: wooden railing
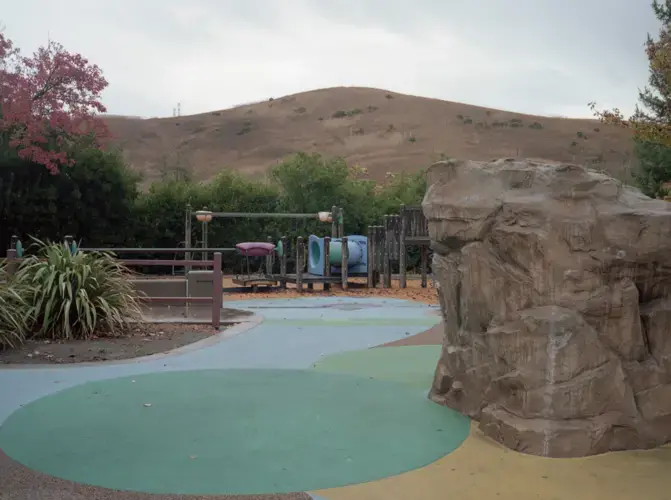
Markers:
point(216, 300)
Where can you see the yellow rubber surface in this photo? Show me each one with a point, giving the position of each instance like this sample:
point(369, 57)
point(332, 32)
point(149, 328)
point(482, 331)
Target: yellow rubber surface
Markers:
point(483, 470)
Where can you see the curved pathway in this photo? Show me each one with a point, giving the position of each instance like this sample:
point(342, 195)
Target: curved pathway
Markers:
point(86, 418)
point(294, 333)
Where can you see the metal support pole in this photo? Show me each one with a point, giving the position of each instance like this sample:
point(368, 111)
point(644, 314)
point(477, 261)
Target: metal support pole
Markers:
point(187, 236)
point(204, 228)
point(327, 262)
point(334, 221)
point(283, 263)
point(371, 257)
point(341, 223)
point(386, 263)
point(270, 258)
point(217, 291)
point(300, 263)
point(344, 262)
point(402, 249)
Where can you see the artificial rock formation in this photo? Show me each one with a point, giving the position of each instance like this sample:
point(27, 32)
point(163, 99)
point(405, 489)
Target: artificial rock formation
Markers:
point(555, 288)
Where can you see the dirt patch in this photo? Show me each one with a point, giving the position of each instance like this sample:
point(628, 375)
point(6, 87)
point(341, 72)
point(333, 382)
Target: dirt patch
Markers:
point(142, 339)
point(432, 336)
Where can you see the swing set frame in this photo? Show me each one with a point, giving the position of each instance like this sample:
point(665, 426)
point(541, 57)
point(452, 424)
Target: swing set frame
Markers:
point(205, 216)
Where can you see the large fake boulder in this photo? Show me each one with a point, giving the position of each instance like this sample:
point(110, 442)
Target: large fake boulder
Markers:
point(555, 288)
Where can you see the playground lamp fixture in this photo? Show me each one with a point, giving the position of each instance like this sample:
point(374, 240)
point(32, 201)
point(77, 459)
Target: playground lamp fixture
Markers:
point(325, 217)
point(204, 216)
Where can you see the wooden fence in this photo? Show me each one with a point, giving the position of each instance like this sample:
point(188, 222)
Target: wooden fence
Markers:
point(216, 300)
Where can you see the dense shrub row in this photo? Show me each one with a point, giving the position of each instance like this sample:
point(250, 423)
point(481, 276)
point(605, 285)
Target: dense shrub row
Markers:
point(99, 202)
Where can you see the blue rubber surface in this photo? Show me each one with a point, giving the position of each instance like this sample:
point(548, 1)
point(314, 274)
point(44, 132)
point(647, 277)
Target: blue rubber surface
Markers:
point(297, 333)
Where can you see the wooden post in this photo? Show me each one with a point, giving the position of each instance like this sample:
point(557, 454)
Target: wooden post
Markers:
point(68, 242)
point(386, 263)
point(341, 223)
point(12, 263)
point(344, 262)
point(402, 250)
point(371, 257)
point(380, 249)
point(283, 263)
point(334, 221)
point(187, 236)
point(270, 260)
point(217, 292)
point(300, 263)
point(424, 263)
point(327, 263)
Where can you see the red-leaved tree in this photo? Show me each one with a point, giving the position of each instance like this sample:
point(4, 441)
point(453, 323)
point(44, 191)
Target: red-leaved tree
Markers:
point(49, 103)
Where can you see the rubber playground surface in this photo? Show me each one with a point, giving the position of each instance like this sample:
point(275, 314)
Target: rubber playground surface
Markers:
point(294, 403)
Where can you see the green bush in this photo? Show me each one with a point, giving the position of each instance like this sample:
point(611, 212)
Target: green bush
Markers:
point(300, 183)
point(14, 310)
point(74, 295)
point(93, 199)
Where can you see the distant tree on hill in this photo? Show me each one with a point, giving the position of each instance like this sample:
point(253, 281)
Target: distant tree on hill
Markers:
point(48, 104)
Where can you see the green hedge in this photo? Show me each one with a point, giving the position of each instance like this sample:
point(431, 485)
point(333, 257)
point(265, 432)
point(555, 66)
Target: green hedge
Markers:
point(99, 203)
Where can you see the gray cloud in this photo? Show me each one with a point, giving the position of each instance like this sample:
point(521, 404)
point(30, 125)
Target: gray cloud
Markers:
point(534, 56)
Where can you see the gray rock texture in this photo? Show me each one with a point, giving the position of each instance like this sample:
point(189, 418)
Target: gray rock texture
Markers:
point(555, 287)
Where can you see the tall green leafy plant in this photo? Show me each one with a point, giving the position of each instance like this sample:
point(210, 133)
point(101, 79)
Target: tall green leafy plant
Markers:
point(75, 295)
point(14, 310)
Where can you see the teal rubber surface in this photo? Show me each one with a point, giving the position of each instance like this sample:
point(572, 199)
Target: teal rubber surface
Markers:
point(231, 431)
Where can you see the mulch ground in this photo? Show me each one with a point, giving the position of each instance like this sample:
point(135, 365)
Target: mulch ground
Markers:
point(142, 339)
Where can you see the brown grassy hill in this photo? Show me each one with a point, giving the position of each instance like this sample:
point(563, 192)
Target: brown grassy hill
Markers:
point(380, 130)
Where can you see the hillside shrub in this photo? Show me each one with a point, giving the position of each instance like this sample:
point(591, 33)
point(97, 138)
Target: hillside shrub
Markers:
point(75, 295)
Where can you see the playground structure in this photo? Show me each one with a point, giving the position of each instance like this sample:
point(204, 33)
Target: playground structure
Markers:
point(246, 277)
point(357, 255)
point(388, 245)
point(335, 217)
point(336, 258)
point(324, 260)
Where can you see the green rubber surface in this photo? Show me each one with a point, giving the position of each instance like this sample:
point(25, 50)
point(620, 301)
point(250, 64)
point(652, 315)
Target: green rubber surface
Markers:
point(231, 431)
point(411, 365)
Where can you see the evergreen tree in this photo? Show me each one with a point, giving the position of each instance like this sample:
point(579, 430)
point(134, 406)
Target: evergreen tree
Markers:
point(652, 120)
point(654, 168)
point(655, 99)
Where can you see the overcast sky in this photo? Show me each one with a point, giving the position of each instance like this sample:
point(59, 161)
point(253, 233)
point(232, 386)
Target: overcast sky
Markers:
point(547, 57)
